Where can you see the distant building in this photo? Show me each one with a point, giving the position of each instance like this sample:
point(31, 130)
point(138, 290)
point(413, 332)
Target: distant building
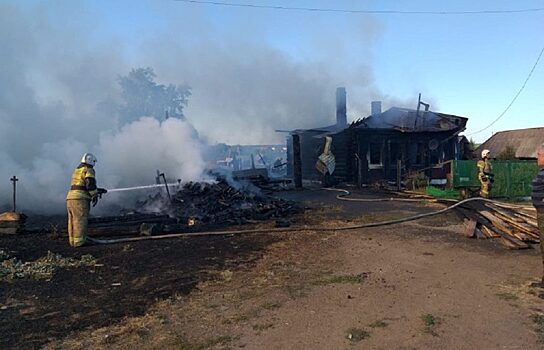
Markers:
point(524, 142)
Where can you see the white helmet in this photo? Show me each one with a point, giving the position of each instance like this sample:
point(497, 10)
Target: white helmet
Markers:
point(89, 158)
point(485, 153)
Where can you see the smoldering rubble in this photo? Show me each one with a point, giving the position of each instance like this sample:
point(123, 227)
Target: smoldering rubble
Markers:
point(197, 206)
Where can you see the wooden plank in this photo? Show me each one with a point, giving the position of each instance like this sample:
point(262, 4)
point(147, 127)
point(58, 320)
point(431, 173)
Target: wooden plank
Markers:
point(505, 231)
point(524, 227)
point(530, 221)
point(488, 232)
point(505, 212)
point(526, 237)
point(498, 222)
point(469, 228)
point(479, 234)
point(509, 244)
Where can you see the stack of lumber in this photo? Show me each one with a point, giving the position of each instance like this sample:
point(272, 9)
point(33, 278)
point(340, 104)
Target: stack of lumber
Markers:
point(515, 226)
point(12, 223)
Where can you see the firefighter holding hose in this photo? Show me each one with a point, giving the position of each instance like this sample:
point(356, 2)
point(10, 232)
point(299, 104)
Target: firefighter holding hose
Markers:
point(82, 192)
point(485, 174)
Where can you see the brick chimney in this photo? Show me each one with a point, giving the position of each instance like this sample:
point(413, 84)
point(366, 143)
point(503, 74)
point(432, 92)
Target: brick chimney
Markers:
point(375, 107)
point(341, 116)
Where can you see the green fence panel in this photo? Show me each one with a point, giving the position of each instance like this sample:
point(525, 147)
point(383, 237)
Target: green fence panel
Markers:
point(512, 177)
point(465, 173)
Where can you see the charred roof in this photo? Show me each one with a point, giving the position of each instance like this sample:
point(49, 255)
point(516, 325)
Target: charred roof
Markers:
point(410, 120)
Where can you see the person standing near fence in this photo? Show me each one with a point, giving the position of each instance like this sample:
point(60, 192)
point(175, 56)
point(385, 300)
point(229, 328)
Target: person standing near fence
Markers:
point(485, 174)
point(538, 200)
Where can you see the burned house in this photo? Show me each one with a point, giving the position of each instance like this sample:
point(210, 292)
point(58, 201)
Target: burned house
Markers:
point(400, 139)
point(312, 142)
point(384, 145)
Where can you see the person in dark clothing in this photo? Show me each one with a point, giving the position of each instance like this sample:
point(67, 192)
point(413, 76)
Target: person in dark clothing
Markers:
point(538, 199)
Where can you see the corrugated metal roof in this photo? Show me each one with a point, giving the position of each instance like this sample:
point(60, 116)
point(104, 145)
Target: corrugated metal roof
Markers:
point(524, 141)
point(408, 120)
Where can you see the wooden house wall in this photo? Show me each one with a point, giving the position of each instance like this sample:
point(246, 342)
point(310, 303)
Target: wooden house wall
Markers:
point(411, 148)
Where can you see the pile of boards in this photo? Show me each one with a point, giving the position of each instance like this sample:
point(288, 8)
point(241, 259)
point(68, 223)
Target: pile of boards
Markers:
point(515, 226)
point(12, 223)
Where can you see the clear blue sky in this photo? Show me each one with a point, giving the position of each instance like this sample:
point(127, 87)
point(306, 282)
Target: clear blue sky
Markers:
point(470, 65)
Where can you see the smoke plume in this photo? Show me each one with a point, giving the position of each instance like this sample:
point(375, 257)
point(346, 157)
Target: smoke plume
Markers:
point(60, 94)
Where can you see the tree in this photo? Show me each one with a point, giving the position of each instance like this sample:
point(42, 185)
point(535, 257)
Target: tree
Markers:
point(144, 97)
point(472, 144)
point(508, 153)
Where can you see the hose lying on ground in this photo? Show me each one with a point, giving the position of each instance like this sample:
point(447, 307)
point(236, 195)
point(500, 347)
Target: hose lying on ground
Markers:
point(345, 193)
point(290, 229)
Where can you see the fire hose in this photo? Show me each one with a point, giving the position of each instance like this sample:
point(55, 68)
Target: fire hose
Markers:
point(295, 229)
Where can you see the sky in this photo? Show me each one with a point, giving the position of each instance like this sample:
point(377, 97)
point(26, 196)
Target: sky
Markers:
point(469, 65)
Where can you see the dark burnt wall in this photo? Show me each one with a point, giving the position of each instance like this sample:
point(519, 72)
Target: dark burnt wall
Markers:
point(310, 149)
point(379, 151)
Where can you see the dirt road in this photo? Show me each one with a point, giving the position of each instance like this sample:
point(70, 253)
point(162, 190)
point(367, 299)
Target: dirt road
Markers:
point(417, 285)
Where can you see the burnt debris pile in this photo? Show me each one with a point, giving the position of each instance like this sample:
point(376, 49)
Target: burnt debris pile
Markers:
point(218, 203)
point(193, 207)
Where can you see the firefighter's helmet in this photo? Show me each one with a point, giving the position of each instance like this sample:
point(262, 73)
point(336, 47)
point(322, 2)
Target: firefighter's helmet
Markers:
point(89, 159)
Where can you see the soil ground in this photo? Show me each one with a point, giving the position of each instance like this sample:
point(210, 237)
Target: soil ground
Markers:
point(416, 285)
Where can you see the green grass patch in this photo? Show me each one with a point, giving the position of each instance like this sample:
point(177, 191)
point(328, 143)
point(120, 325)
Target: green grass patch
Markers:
point(183, 344)
point(342, 279)
point(378, 324)
point(271, 305)
point(262, 327)
point(507, 296)
point(240, 318)
point(222, 340)
point(43, 268)
point(430, 323)
point(357, 334)
point(538, 320)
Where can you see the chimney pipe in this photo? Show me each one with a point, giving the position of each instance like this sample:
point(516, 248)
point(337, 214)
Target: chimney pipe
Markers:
point(375, 107)
point(341, 116)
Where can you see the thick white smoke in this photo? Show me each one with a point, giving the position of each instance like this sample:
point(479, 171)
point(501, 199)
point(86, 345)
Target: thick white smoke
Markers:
point(60, 96)
point(131, 156)
point(126, 157)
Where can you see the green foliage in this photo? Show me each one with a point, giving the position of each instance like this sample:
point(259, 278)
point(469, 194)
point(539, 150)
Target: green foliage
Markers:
point(430, 324)
point(439, 193)
point(343, 279)
point(43, 268)
point(507, 296)
point(472, 144)
point(378, 324)
point(144, 97)
point(357, 334)
point(416, 180)
point(508, 153)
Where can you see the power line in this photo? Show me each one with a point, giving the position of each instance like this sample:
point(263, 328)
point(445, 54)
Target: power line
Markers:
point(515, 97)
point(337, 10)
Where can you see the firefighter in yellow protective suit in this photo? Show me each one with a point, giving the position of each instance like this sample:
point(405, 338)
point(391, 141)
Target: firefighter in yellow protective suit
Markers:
point(485, 174)
point(82, 192)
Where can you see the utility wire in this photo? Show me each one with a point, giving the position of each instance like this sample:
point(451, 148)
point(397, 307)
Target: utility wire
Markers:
point(337, 10)
point(515, 97)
